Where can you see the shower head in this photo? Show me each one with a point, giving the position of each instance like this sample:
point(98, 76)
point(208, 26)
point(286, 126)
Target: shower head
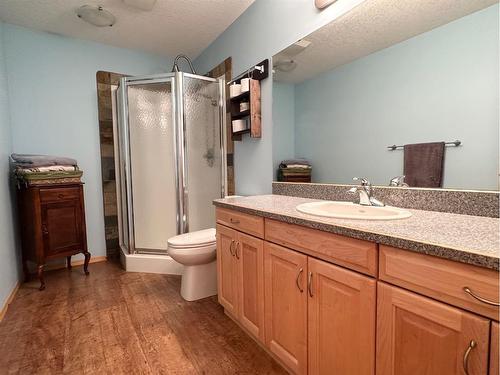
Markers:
point(175, 68)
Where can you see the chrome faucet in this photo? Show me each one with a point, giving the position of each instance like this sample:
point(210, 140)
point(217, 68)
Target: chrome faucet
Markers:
point(365, 193)
point(398, 181)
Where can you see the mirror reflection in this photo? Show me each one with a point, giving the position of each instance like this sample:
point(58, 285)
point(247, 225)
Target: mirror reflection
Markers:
point(408, 97)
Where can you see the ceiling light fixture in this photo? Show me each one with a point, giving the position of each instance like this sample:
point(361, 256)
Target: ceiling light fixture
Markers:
point(285, 65)
point(96, 15)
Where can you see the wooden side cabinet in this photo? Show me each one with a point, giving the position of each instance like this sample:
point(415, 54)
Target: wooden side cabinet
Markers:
point(52, 221)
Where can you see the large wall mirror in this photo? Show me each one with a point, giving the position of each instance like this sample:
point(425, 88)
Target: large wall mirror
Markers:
point(407, 73)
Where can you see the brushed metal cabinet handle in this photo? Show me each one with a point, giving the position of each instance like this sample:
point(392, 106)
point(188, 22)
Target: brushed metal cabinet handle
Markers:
point(236, 250)
point(309, 284)
point(479, 298)
point(471, 346)
point(297, 280)
point(231, 250)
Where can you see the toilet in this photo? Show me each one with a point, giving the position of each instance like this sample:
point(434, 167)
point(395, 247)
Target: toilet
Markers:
point(196, 252)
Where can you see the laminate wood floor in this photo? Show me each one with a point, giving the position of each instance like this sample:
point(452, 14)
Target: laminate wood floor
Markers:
point(114, 322)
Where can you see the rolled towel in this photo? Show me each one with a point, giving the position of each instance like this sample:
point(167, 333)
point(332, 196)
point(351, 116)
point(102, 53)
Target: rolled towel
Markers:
point(33, 161)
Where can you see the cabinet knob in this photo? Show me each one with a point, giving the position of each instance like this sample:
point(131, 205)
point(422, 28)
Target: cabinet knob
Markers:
point(45, 231)
point(60, 196)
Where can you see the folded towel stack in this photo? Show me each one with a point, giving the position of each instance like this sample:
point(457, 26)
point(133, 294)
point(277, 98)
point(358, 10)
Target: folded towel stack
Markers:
point(295, 170)
point(43, 169)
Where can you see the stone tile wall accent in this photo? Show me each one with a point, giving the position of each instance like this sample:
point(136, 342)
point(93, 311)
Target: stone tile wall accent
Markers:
point(104, 82)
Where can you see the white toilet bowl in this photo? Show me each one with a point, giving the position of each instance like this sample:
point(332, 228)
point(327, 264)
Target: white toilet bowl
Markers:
point(196, 252)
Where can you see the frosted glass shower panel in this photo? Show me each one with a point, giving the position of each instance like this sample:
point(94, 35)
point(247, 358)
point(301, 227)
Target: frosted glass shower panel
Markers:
point(152, 164)
point(204, 156)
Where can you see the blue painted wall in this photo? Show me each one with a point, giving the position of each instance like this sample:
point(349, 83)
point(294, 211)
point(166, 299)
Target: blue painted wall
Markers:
point(53, 103)
point(264, 29)
point(440, 85)
point(283, 123)
point(9, 264)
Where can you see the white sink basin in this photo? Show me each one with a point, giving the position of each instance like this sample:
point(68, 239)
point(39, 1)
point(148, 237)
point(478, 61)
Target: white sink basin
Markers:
point(349, 210)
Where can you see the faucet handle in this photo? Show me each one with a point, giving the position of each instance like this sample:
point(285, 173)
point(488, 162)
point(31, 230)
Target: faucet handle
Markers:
point(364, 181)
point(398, 181)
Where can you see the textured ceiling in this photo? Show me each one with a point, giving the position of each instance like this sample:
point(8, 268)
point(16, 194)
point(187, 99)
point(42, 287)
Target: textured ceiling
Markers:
point(172, 27)
point(372, 26)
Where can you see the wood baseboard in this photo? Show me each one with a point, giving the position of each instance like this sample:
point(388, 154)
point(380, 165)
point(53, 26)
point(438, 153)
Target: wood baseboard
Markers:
point(97, 259)
point(261, 344)
point(10, 298)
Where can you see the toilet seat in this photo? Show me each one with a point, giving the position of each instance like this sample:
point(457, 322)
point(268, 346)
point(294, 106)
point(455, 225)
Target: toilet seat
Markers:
point(193, 240)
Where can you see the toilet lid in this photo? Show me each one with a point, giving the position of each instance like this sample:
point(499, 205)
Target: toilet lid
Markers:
point(193, 239)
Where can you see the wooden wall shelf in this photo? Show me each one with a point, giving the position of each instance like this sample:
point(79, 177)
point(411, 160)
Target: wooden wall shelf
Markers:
point(253, 114)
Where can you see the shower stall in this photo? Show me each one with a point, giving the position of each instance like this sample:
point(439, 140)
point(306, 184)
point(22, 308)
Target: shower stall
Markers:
point(171, 158)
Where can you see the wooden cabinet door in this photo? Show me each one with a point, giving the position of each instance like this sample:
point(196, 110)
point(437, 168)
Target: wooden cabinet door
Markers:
point(285, 274)
point(341, 330)
point(494, 348)
point(250, 255)
point(227, 270)
point(420, 336)
point(62, 227)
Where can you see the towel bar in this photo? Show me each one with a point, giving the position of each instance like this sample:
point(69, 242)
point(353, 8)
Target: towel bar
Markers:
point(454, 143)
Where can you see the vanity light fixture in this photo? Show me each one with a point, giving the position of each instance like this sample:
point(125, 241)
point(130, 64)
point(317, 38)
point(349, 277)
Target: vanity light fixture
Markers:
point(96, 15)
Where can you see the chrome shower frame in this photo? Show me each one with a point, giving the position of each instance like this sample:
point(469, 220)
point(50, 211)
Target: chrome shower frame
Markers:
point(176, 79)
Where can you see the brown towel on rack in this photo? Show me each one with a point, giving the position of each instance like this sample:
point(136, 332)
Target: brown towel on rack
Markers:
point(423, 164)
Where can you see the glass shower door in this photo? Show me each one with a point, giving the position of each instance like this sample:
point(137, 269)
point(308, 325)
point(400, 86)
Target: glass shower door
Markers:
point(152, 164)
point(202, 132)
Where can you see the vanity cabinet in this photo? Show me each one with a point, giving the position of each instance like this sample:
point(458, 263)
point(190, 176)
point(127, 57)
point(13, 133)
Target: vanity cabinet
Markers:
point(321, 303)
point(240, 265)
point(227, 270)
point(331, 310)
point(494, 349)
point(417, 335)
point(341, 320)
point(249, 254)
point(286, 306)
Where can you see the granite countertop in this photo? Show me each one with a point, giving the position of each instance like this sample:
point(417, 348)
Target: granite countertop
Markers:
point(463, 238)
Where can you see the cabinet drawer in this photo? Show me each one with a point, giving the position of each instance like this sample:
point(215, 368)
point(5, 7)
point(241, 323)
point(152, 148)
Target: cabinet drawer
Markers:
point(348, 252)
point(250, 224)
point(60, 194)
point(441, 279)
